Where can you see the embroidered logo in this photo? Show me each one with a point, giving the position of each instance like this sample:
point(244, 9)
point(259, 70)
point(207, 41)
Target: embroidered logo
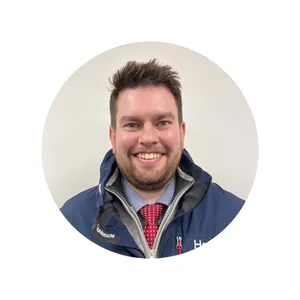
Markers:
point(106, 235)
point(198, 244)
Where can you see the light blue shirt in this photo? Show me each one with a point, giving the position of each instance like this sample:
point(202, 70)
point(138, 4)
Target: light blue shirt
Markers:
point(137, 202)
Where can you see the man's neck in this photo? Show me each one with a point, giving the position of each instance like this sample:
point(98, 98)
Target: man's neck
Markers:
point(150, 196)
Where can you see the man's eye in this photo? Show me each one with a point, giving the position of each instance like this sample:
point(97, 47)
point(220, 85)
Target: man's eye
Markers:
point(131, 125)
point(164, 123)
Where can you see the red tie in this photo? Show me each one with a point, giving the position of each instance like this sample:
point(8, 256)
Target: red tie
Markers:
point(151, 214)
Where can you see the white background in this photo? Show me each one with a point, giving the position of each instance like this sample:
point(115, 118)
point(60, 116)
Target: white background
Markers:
point(42, 43)
point(220, 131)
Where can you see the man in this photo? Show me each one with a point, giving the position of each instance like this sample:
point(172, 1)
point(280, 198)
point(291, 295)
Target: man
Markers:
point(152, 200)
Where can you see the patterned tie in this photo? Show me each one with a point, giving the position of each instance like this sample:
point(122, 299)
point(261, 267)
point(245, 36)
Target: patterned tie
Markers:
point(151, 214)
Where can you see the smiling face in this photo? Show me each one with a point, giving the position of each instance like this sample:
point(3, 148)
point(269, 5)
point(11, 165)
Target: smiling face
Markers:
point(148, 139)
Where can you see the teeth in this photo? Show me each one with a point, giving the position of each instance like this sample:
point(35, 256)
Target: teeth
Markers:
point(148, 155)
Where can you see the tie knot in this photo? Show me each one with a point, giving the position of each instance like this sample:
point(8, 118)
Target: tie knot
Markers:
point(152, 212)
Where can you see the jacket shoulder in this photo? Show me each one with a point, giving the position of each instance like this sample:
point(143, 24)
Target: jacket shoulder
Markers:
point(81, 204)
point(225, 197)
point(223, 205)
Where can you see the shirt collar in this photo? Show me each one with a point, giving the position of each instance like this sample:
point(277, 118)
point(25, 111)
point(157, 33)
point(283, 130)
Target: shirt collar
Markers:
point(137, 202)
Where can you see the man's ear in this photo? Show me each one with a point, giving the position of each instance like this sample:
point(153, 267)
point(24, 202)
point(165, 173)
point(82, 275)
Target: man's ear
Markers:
point(182, 134)
point(112, 137)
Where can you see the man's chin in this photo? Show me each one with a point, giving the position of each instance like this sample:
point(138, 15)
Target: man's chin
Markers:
point(148, 183)
point(149, 186)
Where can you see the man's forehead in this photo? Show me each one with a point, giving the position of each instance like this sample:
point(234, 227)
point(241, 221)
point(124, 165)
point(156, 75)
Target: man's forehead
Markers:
point(141, 93)
point(146, 103)
point(145, 96)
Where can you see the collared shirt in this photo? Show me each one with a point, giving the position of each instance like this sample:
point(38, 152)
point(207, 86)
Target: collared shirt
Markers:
point(137, 202)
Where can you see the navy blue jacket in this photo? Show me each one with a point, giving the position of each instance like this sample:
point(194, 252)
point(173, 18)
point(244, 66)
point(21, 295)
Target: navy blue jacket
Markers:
point(200, 210)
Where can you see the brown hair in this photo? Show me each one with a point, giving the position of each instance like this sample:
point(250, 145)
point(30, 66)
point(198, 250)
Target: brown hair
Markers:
point(135, 74)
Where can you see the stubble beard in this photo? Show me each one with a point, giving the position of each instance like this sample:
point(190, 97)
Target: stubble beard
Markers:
point(141, 179)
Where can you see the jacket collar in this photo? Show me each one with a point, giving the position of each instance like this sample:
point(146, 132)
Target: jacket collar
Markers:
point(109, 165)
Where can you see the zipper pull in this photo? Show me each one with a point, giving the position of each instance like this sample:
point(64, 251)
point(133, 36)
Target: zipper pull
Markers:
point(179, 245)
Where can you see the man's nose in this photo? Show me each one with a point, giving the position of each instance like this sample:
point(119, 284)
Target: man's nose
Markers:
point(148, 135)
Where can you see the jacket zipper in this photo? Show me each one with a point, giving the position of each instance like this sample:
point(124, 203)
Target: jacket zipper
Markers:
point(185, 213)
point(148, 252)
point(179, 245)
point(152, 253)
point(168, 218)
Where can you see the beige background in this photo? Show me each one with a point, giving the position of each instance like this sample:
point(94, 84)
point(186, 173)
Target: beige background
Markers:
point(221, 135)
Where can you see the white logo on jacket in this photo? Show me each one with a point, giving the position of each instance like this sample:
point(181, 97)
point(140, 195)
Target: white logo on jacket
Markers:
point(198, 243)
point(106, 235)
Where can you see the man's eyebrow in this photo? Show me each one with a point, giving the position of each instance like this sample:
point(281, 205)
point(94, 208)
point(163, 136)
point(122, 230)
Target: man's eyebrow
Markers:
point(129, 118)
point(167, 115)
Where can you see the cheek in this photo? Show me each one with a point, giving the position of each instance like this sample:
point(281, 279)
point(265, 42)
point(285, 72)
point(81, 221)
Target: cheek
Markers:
point(125, 141)
point(172, 139)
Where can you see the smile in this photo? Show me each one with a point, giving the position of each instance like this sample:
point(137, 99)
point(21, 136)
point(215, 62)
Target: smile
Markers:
point(148, 156)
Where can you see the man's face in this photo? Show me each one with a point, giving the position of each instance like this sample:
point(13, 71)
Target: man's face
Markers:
point(148, 140)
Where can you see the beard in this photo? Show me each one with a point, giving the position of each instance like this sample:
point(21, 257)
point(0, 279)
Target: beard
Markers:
point(149, 178)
